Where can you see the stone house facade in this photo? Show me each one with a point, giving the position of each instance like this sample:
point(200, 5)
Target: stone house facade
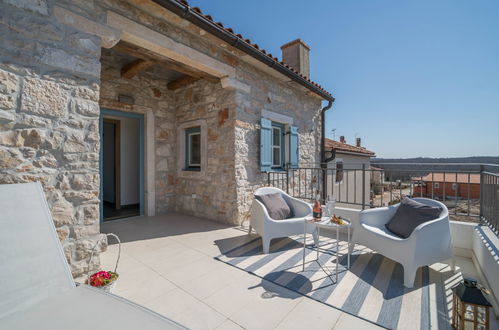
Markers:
point(63, 63)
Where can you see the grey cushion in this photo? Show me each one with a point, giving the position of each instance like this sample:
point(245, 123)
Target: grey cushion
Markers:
point(276, 206)
point(409, 215)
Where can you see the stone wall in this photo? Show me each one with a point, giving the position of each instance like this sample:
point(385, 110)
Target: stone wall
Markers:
point(150, 95)
point(49, 129)
point(267, 93)
point(211, 193)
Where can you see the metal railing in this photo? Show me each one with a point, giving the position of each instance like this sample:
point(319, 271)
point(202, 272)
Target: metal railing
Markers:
point(489, 203)
point(470, 191)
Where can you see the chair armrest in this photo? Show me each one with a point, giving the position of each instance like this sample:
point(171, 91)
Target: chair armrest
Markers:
point(299, 207)
point(434, 228)
point(377, 216)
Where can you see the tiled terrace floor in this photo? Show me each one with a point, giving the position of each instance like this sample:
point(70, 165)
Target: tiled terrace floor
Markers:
point(167, 264)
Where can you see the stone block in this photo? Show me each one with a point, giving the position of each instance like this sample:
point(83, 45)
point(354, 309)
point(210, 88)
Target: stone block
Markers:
point(91, 214)
point(82, 232)
point(82, 44)
point(89, 93)
point(36, 6)
point(45, 98)
point(59, 58)
point(80, 197)
point(62, 233)
point(84, 181)
point(9, 158)
point(75, 144)
point(85, 107)
point(62, 213)
point(6, 116)
point(84, 247)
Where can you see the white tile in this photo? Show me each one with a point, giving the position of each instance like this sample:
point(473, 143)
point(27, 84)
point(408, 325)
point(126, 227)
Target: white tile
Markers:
point(229, 325)
point(310, 314)
point(242, 302)
point(146, 287)
point(172, 303)
point(348, 322)
point(200, 316)
point(213, 281)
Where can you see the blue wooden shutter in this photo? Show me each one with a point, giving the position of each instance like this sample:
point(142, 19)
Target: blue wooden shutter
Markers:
point(265, 145)
point(294, 154)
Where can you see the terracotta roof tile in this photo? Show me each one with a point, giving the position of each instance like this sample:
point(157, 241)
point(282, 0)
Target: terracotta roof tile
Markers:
point(331, 144)
point(231, 31)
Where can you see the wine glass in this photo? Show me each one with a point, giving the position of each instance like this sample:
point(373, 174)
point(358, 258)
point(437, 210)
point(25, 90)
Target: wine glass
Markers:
point(330, 205)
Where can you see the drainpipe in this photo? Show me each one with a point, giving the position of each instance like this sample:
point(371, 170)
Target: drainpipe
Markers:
point(323, 148)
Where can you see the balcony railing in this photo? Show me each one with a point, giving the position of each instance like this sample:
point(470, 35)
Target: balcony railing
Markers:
point(470, 191)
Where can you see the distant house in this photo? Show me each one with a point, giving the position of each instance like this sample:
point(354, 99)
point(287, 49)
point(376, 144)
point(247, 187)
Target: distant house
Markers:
point(377, 175)
point(345, 181)
point(450, 185)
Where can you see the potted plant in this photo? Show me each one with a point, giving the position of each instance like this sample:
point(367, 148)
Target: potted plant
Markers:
point(105, 280)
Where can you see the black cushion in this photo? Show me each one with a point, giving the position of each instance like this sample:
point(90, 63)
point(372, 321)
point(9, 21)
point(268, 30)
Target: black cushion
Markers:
point(276, 206)
point(409, 215)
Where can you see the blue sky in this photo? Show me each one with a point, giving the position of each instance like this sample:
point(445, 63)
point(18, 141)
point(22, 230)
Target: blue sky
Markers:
point(411, 78)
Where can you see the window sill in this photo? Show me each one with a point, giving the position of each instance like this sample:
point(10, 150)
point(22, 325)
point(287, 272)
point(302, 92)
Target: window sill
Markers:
point(192, 169)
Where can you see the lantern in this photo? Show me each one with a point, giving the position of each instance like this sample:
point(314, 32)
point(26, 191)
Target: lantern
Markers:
point(470, 307)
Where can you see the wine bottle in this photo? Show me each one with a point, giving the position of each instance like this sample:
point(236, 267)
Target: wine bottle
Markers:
point(317, 209)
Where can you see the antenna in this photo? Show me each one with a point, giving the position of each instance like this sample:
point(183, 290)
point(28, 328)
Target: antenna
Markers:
point(334, 133)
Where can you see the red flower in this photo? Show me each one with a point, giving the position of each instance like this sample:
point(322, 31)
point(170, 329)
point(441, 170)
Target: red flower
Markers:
point(102, 278)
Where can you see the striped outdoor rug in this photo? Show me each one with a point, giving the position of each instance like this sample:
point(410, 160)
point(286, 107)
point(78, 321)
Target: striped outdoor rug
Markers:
point(372, 289)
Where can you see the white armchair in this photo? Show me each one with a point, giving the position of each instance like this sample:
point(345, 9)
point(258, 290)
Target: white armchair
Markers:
point(430, 242)
point(269, 228)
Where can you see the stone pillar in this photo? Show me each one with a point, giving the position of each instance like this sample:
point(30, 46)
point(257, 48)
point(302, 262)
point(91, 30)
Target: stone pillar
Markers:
point(49, 118)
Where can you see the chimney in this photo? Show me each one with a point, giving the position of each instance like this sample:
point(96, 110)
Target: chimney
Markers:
point(296, 55)
point(357, 142)
point(342, 139)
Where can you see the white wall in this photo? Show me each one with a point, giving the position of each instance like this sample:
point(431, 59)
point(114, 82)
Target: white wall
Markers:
point(130, 161)
point(108, 163)
point(486, 258)
point(350, 188)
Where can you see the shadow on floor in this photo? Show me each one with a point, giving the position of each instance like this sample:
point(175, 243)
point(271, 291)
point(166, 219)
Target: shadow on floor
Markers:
point(170, 224)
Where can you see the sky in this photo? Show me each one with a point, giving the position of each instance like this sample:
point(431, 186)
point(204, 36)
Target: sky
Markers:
point(413, 78)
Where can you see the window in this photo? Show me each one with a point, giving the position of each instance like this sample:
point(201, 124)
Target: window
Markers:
point(193, 149)
point(277, 145)
point(339, 171)
point(436, 185)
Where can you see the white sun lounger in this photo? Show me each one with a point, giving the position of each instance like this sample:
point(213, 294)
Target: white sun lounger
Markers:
point(37, 290)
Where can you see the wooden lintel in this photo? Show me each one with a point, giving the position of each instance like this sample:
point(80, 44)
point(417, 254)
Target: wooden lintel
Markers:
point(181, 82)
point(132, 69)
point(147, 55)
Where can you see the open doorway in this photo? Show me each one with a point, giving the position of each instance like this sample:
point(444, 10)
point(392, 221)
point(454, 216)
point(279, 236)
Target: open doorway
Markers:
point(122, 165)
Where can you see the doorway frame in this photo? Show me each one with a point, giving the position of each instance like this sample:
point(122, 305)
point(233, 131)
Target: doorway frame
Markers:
point(140, 117)
point(117, 160)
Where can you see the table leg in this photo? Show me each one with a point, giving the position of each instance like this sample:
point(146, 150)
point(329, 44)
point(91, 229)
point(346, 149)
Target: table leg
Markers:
point(348, 248)
point(337, 250)
point(304, 243)
point(317, 245)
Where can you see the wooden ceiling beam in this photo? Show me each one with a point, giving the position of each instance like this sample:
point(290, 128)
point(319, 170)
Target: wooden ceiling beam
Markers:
point(181, 82)
point(133, 68)
point(147, 55)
